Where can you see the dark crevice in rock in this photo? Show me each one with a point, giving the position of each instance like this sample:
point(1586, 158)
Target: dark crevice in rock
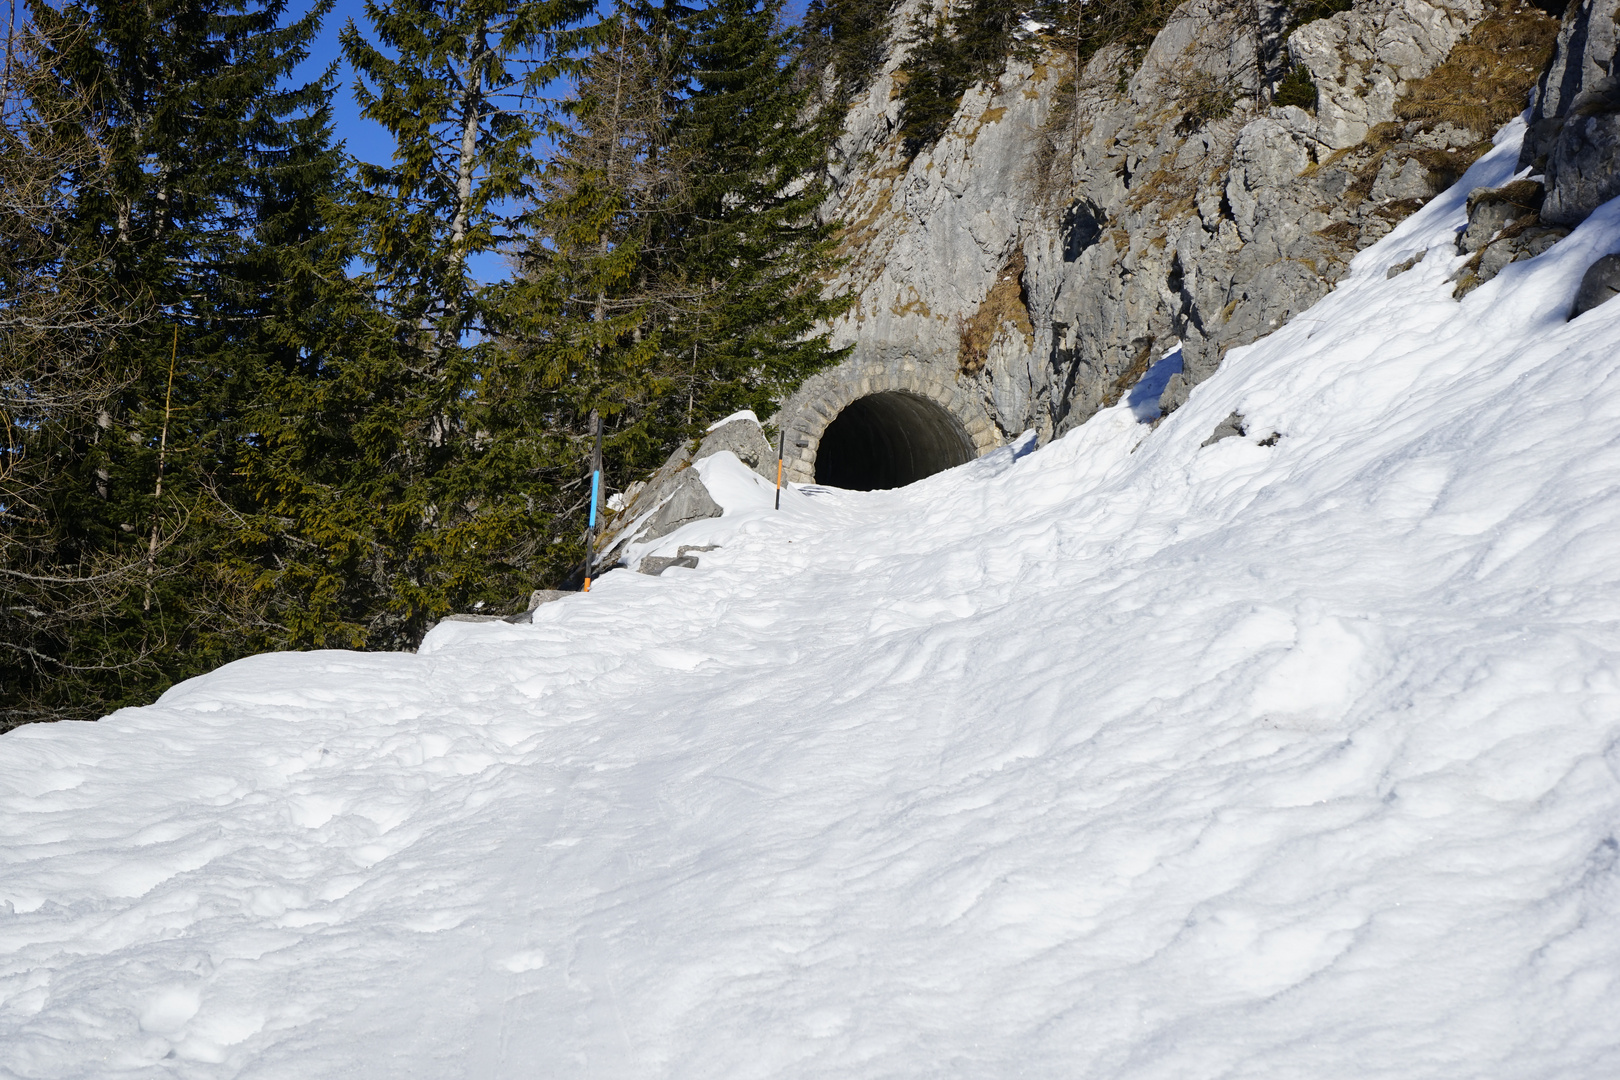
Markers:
point(1083, 224)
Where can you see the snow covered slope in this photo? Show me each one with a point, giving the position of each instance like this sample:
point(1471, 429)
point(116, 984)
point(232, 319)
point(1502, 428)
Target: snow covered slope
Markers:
point(1121, 758)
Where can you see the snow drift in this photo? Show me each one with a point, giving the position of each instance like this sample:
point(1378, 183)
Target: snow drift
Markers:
point(1118, 758)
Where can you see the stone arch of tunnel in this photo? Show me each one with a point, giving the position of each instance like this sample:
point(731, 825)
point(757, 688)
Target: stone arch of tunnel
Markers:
point(870, 426)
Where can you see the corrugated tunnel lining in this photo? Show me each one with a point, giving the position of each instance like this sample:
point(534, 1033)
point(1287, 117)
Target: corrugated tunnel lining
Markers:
point(889, 440)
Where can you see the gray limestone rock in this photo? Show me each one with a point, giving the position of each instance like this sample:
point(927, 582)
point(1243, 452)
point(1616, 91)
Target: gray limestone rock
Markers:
point(688, 502)
point(1582, 59)
point(1583, 171)
point(659, 485)
point(657, 564)
point(1525, 245)
point(1575, 115)
point(683, 557)
point(1405, 264)
point(744, 438)
point(1230, 428)
point(641, 497)
point(1175, 393)
point(1362, 59)
point(1512, 247)
point(1600, 284)
point(1267, 156)
point(1495, 257)
point(677, 493)
point(1491, 210)
point(1401, 180)
point(536, 598)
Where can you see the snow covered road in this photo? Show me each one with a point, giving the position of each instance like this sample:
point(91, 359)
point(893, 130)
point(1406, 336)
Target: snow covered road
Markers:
point(1117, 758)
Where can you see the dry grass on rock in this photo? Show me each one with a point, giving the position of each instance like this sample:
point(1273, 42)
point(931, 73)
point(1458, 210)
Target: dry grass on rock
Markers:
point(1483, 83)
point(1003, 304)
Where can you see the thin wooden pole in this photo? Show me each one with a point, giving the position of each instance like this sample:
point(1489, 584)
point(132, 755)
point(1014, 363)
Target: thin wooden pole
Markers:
point(163, 452)
point(596, 491)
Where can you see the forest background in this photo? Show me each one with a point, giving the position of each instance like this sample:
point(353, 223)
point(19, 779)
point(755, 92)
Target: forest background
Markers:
point(305, 314)
point(258, 393)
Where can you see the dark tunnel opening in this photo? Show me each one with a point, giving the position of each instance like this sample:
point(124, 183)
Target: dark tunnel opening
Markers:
point(889, 440)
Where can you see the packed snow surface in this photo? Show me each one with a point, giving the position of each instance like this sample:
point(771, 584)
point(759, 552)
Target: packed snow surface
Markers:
point(1122, 757)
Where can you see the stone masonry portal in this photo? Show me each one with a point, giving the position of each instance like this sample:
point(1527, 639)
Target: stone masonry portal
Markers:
point(874, 425)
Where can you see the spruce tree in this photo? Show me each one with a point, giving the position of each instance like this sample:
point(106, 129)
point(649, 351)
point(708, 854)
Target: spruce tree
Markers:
point(452, 487)
point(587, 319)
point(55, 324)
point(752, 253)
point(676, 272)
point(208, 157)
point(952, 48)
point(848, 35)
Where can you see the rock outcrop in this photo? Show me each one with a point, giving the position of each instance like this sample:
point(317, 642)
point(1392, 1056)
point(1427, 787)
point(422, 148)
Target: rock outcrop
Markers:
point(1574, 136)
point(1504, 227)
point(1599, 285)
point(688, 501)
point(675, 496)
point(1070, 227)
point(536, 598)
point(742, 435)
point(1573, 141)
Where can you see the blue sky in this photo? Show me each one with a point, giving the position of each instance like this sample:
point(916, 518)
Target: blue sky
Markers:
point(364, 139)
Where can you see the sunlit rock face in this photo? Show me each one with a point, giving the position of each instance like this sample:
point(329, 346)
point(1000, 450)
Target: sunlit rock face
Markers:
point(1574, 137)
point(1028, 268)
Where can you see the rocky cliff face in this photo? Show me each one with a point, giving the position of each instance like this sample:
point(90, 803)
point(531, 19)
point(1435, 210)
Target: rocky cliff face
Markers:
point(1070, 226)
point(1574, 134)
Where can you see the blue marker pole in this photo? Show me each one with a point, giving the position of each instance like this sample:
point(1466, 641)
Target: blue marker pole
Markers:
point(596, 491)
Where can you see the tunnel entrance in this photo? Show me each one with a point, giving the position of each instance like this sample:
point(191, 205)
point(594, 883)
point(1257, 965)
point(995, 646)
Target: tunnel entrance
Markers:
point(888, 440)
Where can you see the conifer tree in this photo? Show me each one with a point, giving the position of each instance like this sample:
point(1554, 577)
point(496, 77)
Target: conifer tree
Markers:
point(953, 47)
point(752, 252)
point(454, 507)
point(205, 159)
point(676, 272)
point(588, 317)
point(55, 322)
point(848, 35)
